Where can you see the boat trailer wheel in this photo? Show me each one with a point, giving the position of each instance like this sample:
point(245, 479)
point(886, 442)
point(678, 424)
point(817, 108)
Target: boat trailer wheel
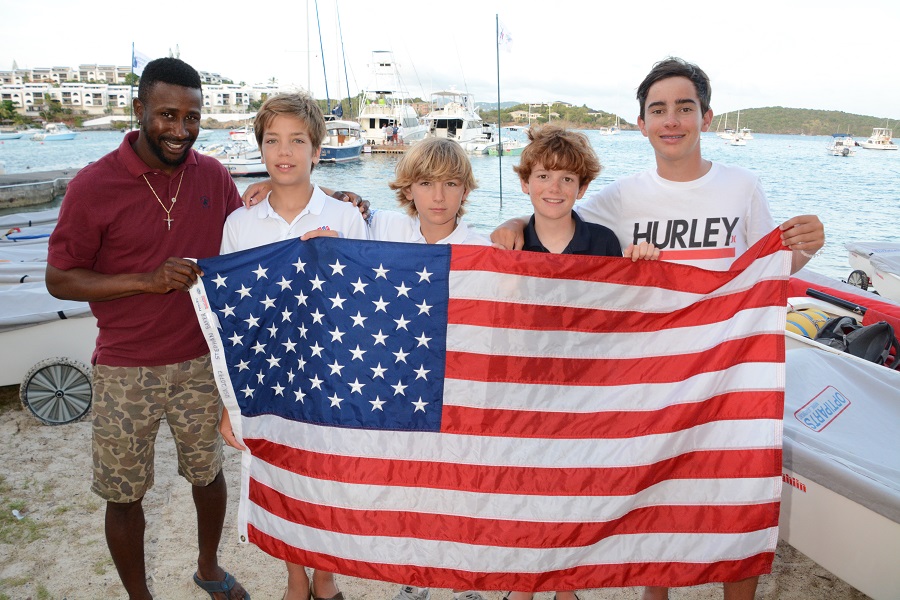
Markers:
point(57, 391)
point(859, 279)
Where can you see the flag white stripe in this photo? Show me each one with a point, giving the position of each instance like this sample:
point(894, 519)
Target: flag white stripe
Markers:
point(502, 287)
point(515, 507)
point(522, 452)
point(612, 345)
point(619, 549)
point(634, 397)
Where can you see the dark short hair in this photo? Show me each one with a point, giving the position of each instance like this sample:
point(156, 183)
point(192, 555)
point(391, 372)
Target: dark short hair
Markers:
point(167, 70)
point(676, 67)
point(559, 149)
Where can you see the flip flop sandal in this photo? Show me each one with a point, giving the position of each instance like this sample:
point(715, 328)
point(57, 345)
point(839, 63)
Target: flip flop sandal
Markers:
point(219, 587)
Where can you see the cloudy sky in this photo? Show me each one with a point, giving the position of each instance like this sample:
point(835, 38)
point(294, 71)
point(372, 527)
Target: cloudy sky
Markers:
point(823, 54)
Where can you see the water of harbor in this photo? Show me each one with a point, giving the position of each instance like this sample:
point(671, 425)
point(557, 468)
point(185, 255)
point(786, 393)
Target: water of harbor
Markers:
point(857, 198)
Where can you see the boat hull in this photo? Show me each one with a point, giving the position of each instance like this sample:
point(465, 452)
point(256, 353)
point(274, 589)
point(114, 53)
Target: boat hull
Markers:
point(340, 154)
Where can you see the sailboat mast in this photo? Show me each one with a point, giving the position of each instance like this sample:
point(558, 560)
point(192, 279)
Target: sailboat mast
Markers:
point(322, 52)
point(344, 55)
point(499, 137)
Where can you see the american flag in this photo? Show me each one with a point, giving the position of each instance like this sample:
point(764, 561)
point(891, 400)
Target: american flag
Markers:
point(465, 417)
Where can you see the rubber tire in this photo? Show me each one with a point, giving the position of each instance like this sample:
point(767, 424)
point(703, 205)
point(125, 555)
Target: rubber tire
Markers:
point(57, 391)
point(859, 279)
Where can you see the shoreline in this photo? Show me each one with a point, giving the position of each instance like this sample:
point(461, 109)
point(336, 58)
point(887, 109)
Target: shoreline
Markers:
point(57, 550)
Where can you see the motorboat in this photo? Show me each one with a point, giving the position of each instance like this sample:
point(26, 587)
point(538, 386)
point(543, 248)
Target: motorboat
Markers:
point(881, 139)
point(737, 140)
point(860, 255)
point(241, 159)
point(27, 235)
point(842, 145)
point(453, 116)
point(840, 500)
point(611, 130)
point(343, 141)
point(242, 134)
point(384, 104)
point(54, 132)
point(746, 133)
point(513, 143)
point(887, 274)
point(12, 135)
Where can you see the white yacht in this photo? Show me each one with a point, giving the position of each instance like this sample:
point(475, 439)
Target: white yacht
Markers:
point(453, 116)
point(384, 103)
point(880, 140)
point(842, 145)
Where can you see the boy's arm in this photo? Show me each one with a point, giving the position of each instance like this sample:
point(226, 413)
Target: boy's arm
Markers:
point(805, 236)
point(511, 234)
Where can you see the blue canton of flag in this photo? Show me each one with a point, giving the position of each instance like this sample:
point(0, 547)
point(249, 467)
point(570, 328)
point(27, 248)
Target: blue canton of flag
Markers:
point(312, 332)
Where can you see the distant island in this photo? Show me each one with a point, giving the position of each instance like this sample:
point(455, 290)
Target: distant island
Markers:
point(770, 119)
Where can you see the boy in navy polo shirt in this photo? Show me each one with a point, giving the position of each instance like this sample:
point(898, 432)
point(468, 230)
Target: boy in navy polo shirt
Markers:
point(555, 171)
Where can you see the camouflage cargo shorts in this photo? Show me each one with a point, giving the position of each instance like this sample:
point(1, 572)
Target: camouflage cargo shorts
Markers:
point(129, 404)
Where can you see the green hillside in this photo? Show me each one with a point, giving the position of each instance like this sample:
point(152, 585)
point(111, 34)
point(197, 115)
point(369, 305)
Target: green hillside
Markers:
point(777, 119)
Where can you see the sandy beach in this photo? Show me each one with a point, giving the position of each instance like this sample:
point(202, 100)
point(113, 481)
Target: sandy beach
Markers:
point(56, 550)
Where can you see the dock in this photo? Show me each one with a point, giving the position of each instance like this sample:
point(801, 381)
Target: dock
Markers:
point(33, 188)
point(386, 149)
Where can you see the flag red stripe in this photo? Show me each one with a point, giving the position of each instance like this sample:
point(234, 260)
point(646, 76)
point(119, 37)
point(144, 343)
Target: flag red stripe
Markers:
point(591, 576)
point(512, 533)
point(509, 315)
point(611, 424)
point(468, 366)
point(509, 479)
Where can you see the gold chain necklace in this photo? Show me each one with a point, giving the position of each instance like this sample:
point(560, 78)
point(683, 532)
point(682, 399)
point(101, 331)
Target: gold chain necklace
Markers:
point(168, 218)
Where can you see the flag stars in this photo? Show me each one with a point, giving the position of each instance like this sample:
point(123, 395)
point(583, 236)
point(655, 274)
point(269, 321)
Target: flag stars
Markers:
point(219, 281)
point(273, 331)
point(252, 321)
point(244, 291)
point(316, 383)
point(402, 322)
point(243, 366)
point(268, 302)
point(335, 401)
point(357, 353)
point(399, 388)
point(284, 284)
point(317, 283)
point(359, 286)
point(258, 348)
point(337, 301)
point(302, 329)
point(273, 361)
point(359, 320)
point(300, 266)
point(301, 299)
point(422, 372)
point(381, 271)
point(290, 376)
point(299, 396)
point(379, 338)
point(278, 389)
point(401, 355)
point(402, 290)
point(316, 349)
point(337, 268)
point(378, 371)
point(419, 405)
point(377, 404)
point(286, 315)
point(260, 378)
point(236, 339)
point(424, 308)
point(301, 363)
point(336, 335)
point(261, 272)
point(248, 391)
point(423, 341)
point(380, 304)
point(228, 311)
point(289, 346)
point(356, 387)
point(336, 368)
point(424, 275)
point(316, 316)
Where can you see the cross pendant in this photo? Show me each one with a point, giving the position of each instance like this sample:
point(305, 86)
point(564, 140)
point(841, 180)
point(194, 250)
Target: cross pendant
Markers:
point(168, 221)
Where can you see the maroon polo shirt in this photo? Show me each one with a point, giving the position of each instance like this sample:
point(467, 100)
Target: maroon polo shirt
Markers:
point(110, 222)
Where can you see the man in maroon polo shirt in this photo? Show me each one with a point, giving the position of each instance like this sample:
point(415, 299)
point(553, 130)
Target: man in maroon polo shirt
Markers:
point(125, 227)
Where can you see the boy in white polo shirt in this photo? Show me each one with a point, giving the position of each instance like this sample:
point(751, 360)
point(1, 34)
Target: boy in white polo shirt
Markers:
point(290, 129)
point(433, 181)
